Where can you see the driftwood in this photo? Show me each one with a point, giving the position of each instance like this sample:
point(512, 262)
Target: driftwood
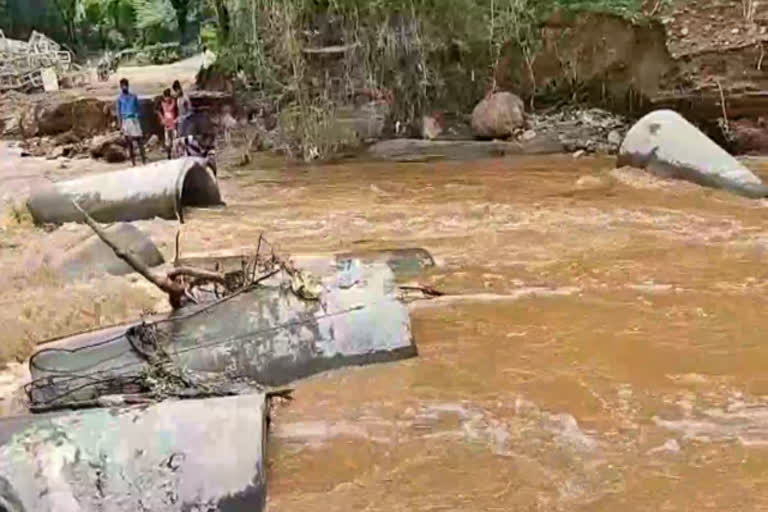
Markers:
point(173, 283)
point(428, 291)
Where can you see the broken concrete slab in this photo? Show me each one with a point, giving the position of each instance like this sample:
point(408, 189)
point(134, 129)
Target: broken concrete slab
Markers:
point(667, 145)
point(403, 262)
point(173, 456)
point(92, 256)
point(160, 189)
point(267, 334)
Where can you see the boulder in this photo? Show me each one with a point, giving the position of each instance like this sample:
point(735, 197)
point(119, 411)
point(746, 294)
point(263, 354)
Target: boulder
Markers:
point(59, 114)
point(498, 116)
point(666, 144)
point(115, 154)
point(100, 143)
point(92, 256)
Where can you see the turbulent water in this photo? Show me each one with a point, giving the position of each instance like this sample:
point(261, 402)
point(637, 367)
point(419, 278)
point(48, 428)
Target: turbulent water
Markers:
point(610, 353)
point(601, 348)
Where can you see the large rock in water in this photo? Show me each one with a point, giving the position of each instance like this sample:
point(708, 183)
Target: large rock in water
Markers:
point(667, 145)
point(498, 116)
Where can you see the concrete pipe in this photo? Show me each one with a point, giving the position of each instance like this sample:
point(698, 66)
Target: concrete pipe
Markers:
point(170, 456)
point(665, 144)
point(267, 334)
point(161, 189)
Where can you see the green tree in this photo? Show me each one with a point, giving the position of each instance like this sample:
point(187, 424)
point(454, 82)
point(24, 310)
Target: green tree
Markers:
point(155, 19)
point(5, 15)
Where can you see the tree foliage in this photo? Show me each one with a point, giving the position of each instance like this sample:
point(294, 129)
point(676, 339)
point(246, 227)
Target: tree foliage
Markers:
point(155, 19)
point(93, 25)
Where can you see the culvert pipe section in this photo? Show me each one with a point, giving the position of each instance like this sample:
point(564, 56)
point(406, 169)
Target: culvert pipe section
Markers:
point(161, 189)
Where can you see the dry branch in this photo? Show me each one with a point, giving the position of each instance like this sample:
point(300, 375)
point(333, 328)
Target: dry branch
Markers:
point(426, 290)
point(175, 290)
point(196, 273)
point(722, 104)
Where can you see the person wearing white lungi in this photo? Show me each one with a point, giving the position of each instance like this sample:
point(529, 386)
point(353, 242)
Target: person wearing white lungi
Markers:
point(128, 112)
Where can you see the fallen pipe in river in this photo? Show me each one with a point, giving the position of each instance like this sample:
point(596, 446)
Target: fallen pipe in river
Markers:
point(667, 145)
point(171, 456)
point(267, 334)
point(161, 189)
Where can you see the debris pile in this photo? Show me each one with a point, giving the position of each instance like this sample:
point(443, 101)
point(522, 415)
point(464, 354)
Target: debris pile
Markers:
point(35, 64)
point(591, 130)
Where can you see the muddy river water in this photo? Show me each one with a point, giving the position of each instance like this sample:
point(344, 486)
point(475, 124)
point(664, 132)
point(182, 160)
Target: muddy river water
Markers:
point(609, 352)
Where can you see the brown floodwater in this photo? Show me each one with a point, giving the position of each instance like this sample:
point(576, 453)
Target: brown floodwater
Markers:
point(602, 347)
point(609, 354)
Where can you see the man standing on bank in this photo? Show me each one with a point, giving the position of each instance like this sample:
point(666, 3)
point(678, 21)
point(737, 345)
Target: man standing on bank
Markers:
point(168, 114)
point(183, 108)
point(128, 112)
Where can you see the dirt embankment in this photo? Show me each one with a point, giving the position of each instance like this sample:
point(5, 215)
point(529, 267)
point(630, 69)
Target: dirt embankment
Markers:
point(600, 58)
point(687, 56)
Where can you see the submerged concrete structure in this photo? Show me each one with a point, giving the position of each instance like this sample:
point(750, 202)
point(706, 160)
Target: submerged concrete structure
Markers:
point(195, 454)
point(667, 145)
point(173, 456)
point(268, 334)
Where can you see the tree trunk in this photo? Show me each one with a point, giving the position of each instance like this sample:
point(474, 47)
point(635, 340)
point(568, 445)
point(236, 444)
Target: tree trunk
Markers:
point(222, 13)
point(181, 16)
point(182, 10)
point(115, 8)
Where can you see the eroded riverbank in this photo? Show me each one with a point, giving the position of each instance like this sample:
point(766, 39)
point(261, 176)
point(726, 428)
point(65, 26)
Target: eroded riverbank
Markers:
point(612, 354)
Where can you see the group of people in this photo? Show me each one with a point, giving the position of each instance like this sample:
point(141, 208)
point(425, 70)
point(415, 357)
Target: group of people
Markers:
point(175, 113)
